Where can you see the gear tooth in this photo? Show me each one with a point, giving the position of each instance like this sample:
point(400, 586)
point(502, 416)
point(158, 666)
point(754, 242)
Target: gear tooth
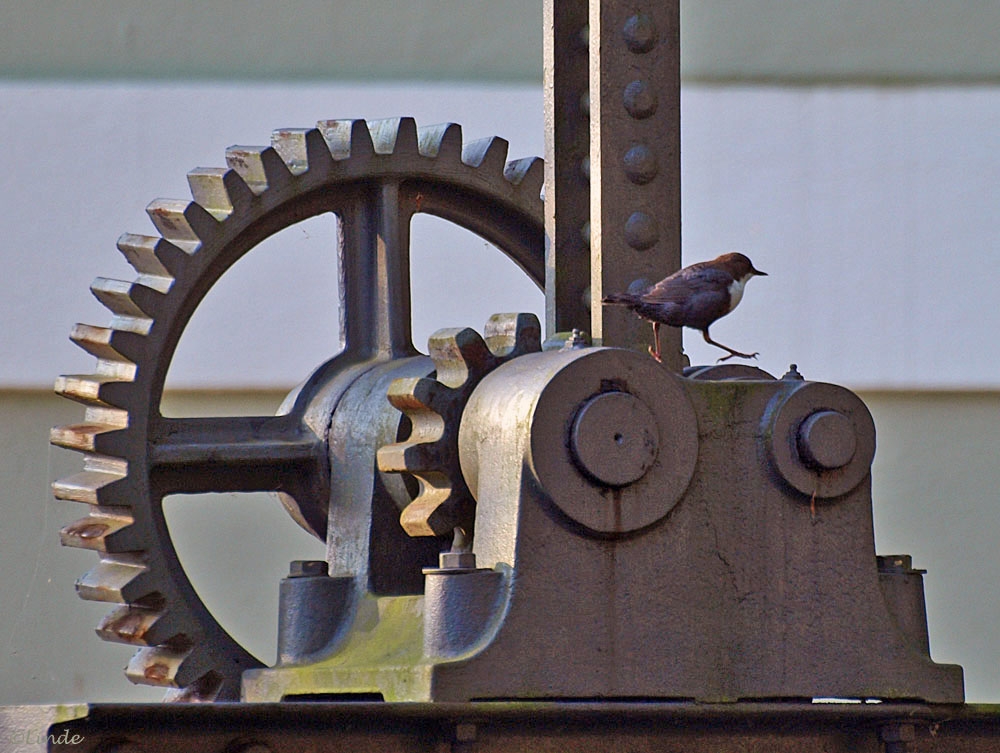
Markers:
point(261, 167)
point(156, 665)
point(206, 689)
point(219, 190)
point(489, 154)
point(528, 173)
point(411, 394)
point(94, 389)
point(95, 487)
point(172, 668)
point(152, 255)
point(129, 299)
point(459, 354)
point(440, 140)
point(95, 340)
point(117, 580)
point(98, 437)
point(183, 223)
point(103, 531)
point(302, 149)
point(347, 138)
point(394, 135)
point(139, 626)
point(108, 344)
point(407, 457)
point(512, 335)
point(435, 512)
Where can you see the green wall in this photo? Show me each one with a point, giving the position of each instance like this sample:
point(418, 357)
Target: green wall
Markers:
point(722, 40)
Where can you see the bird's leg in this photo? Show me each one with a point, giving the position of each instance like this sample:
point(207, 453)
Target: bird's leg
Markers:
point(656, 339)
point(731, 352)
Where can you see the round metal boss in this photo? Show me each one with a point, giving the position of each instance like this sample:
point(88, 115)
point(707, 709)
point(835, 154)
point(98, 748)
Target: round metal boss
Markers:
point(614, 440)
point(826, 440)
point(820, 438)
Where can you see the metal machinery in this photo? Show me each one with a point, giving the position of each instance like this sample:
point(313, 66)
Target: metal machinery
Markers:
point(532, 541)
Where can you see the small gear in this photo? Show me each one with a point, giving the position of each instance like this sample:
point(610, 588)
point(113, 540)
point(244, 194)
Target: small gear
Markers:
point(434, 407)
point(375, 176)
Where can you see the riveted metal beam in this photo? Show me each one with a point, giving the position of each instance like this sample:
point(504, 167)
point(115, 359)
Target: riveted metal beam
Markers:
point(634, 162)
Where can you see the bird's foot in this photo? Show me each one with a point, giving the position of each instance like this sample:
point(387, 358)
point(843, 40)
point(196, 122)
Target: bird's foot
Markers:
point(748, 356)
point(655, 354)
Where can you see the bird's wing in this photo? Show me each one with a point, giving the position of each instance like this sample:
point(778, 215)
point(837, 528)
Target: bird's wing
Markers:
point(690, 281)
point(701, 293)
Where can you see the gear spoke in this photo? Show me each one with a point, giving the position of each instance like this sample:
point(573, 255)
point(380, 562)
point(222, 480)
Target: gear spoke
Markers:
point(375, 273)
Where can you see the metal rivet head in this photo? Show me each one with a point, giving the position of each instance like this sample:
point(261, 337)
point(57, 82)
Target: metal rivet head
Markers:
point(640, 33)
point(641, 231)
point(640, 164)
point(640, 100)
point(826, 440)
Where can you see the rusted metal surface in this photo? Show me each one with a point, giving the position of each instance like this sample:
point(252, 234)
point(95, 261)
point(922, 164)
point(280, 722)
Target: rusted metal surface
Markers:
point(515, 728)
point(635, 191)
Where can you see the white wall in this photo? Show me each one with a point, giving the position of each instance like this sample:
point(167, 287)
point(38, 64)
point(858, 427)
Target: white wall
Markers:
point(873, 210)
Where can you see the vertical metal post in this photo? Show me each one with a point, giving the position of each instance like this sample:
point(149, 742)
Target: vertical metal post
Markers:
point(635, 236)
point(567, 149)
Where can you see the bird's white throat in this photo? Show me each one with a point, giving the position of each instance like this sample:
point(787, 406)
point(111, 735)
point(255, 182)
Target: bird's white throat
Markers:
point(736, 291)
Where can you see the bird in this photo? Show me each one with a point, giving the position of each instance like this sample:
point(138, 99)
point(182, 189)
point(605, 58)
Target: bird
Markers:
point(692, 297)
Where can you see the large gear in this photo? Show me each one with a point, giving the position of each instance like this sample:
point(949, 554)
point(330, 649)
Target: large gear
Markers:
point(374, 176)
point(434, 406)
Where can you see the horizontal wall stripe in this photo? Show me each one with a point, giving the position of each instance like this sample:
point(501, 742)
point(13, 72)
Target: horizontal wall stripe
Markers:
point(803, 41)
point(872, 209)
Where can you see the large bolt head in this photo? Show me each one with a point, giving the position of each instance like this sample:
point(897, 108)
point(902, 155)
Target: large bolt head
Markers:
point(826, 440)
point(614, 438)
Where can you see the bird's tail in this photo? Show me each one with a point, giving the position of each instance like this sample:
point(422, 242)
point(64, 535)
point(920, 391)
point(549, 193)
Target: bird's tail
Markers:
point(618, 299)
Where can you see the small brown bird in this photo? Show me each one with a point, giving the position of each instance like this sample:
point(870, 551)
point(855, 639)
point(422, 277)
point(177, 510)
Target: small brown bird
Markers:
point(693, 297)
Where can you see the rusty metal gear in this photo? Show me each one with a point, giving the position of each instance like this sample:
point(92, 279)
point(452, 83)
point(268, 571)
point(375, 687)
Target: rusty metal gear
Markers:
point(434, 407)
point(374, 176)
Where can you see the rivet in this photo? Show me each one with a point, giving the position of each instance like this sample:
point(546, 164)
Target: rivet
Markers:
point(640, 164)
point(640, 33)
point(641, 231)
point(640, 100)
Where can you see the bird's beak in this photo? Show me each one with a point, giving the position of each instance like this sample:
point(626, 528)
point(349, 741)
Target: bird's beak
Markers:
point(759, 273)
